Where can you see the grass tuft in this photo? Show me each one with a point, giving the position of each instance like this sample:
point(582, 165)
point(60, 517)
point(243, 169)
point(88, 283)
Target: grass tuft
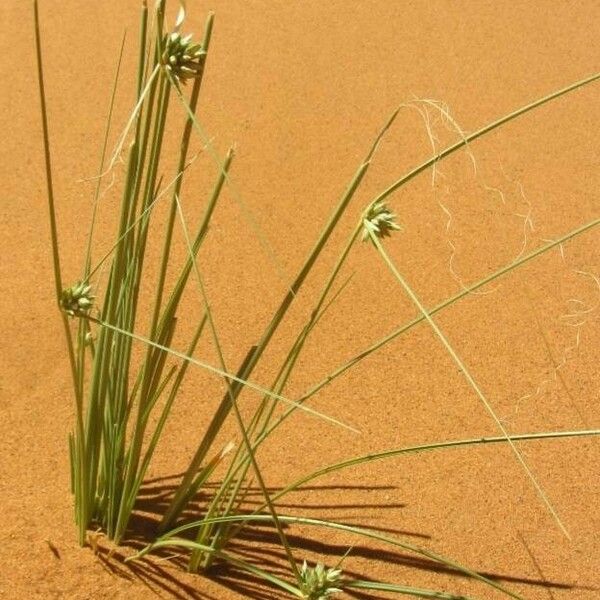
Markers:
point(123, 398)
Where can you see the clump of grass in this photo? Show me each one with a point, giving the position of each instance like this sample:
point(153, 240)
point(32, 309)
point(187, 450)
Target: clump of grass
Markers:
point(122, 406)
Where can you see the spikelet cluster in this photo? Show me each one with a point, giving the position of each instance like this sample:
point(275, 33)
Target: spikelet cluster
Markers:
point(318, 583)
point(379, 220)
point(77, 299)
point(182, 58)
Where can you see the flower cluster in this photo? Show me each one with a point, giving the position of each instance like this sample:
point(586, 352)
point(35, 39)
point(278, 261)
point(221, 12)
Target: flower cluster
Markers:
point(379, 220)
point(317, 583)
point(182, 58)
point(77, 299)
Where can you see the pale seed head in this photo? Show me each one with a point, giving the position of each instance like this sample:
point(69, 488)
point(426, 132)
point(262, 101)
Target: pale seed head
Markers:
point(318, 583)
point(380, 221)
point(181, 58)
point(77, 299)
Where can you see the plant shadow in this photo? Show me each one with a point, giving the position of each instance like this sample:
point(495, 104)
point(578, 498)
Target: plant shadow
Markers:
point(165, 575)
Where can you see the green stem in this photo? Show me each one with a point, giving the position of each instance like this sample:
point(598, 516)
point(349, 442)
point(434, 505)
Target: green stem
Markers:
point(79, 468)
point(480, 132)
point(468, 376)
point(372, 457)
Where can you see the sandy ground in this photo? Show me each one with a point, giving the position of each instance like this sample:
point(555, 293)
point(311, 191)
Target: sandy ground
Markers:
point(301, 89)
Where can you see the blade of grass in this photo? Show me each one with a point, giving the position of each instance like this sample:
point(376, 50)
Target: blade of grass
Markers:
point(170, 539)
point(470, 379)
point(358, 584)
point(481, 132)
point(371, 457)
point(81, 506)
point(214, 370)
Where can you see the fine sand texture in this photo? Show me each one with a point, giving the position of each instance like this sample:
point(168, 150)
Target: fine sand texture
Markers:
point(301, 89)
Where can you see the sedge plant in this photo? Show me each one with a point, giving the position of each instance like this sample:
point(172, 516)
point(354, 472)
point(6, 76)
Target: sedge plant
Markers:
point(122, 404)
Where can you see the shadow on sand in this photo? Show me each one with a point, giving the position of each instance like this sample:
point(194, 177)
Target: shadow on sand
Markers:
point(164, 572)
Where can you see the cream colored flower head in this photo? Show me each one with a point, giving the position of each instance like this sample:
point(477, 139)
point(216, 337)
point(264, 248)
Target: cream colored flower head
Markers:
point(318, 583)
point(379, 221)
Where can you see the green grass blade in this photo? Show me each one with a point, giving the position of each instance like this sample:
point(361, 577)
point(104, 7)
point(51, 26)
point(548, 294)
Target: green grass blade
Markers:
point(47, 159)
point(483, 131)
point(446, 303)
point(172, 303)
point(371, 457)
point(470, 379)
point(130, 228)
point(241, 463)
point(401, 589)
point(82, 501)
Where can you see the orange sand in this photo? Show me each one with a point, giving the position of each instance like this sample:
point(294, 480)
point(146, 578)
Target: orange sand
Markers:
point(301, 88)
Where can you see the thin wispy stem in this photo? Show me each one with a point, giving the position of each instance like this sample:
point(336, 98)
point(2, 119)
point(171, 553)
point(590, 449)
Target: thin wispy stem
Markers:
point(470, 379)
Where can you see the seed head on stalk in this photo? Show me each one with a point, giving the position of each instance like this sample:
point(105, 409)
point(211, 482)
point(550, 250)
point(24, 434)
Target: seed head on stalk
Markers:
point(379, 220)
point(318, 583)
point(77, 299)
point(182, 58)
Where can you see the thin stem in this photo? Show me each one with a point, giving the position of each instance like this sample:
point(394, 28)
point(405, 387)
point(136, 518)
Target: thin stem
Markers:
point(78, 469)
point(469, 377)
point(480, 132)
point(49, 187)
point(214, 370)
point(445, 304)
point(88, 253)
point(372, 457)
point(238, 416)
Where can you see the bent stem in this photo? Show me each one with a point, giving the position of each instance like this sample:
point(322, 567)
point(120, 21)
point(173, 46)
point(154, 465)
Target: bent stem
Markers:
point(181, 495)
point(469, 377)
point(194, 562)
point(372, 457)
point(481, 132)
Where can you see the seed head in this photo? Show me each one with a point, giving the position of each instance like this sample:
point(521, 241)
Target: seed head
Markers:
point(380, 221)
point(181, 58)
point(318, 583)
point(77, 299)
